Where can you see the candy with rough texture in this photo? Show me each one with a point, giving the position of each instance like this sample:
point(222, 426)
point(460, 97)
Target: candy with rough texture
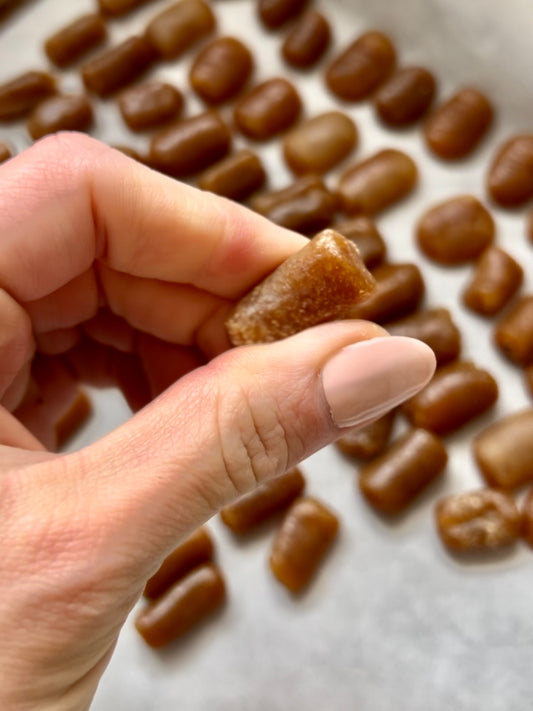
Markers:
point(236, 177)
point(149, 105)
point(275, 13)
point(63, 112)
point(20, 95)
point(221, 70)
point(367, 442)
point(510, 177)
point(118, 66)
point(268, 109)
point(514, 332)
point(496, 279)
point(76, 39)
point(362, 231)
point(307, 41)
point(406, 96)
point(433, 326)
point(179, 27)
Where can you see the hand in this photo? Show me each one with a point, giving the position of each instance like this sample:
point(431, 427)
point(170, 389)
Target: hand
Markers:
point(83, 227)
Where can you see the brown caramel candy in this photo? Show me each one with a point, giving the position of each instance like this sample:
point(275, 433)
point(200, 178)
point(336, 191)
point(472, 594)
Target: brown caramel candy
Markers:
point(20, 95)
point(514, 332)
point(73, 41)
point(182, 606)
point(270, 108)
point(394, 479)
point(527, 519)
point(458, 393)
point(275, 13)
point(455, 231)
point(319, 283)
point(194, 551)
point(306, 206)
point(119, 7)
point(405, 97)
point(320, 143)
point(236, 177)
point(510, 179)
point(367, 442)
point(306, 534)
point(149, 105)
point(5, 152)
point(362, 67)
point(435, 328)
point(496, 279)
point(504, 451)
point(191, 145)
point(362, 231)
point(377, 182)
point(221, 70)
point(130, 152)
point(399, 291)
point(307, 41)
point(117, 67)
point(73, 418)
point(267, 500)
point(61, 113)
point(477, 520)
point(180, 26)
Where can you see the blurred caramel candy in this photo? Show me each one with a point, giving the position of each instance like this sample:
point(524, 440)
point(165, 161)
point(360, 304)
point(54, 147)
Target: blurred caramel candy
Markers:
point(118, 66)
point(20, 95)
point(180, 26)
point(514, 332)
point(433, 326)
point(307, 41)
point(496, 279)
point(510, 178)
point(149, 105)
point(275, 13)
point(119, 7)
point(270, 108)
point(235, 177)
point(406, 96)
point(221, 70)
point(5, 152)
point(362, 231)
point(61, 113)
point(367, 442)
point(73, 41)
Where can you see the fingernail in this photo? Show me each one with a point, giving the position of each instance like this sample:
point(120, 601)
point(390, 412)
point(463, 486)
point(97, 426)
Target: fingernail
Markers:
point(367, 379)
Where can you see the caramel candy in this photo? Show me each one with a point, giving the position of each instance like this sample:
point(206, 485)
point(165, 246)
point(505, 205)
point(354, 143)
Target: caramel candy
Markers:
point(130, 152)
point(377, 182)
point(182, 606)
point(510, 178)
point(267, 500)
point(236, 177)
point(399, 291)
point(307, 41)
point(117, 67)
point(455, 231)
point(362, 231)
point(191, 145)
point(194, 551)
point(527, 519)
point(496, 279)
point(504, 451)
point(270, 108)
point(72, 419)
point(5, 152)
point(405, 97)
point(76, 39)
point(20, 95)
point(392, 481)
point(180, 26)
point(306, 534)
point(221, 70)
point(115, 8)
point(306, 206)
point(436, 328)
point(320, 143)
point(149, 105)
point(319, 283)
point(514, 332)
point(457, 394)
point(275, 13)
point(367, 442)
point(61, 113)
point(362, 67)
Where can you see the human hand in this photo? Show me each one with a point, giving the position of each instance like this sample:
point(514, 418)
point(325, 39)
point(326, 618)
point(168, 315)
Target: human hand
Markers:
point(83, 227)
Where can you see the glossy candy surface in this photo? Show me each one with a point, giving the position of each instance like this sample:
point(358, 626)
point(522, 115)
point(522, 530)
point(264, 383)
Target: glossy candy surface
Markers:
point(433, 326)
point(510, 177)
point(21, 94)
point(405, 97)
point(307, 41)
point(514, 332)
point(235, 177)
point(61, 113)
point(221, 70)
point(179, 27)
point(149, 105)
point(496, 279)
point(267, 110)
point(73, 41)
point(118, 66)
point(399, 291)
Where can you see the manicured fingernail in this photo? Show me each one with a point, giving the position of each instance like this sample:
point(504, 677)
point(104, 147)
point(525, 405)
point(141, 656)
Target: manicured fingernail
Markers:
point(367, 379)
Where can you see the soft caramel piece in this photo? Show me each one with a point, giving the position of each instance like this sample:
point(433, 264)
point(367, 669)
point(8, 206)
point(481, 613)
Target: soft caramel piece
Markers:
point(406, 96)
point(181, 607)
point(433, 326)
point(510, 176)
point(319, 283)
point(267, 500)
point(116, 8)
point(496, 279)
point(399, 291)
point(527, 518)
point(305, 206)
point(20, 95)
point(180, 26)
point(457, 394)
point(367, 442)
point(195, 550)
point(76, 39)
point(191, 145)
point(392, 481)
point(478, 520)
point(5, 152)
point(236, 177)
point(267, 110)
point(150, 105)
point(362, 231)
point(504, 451)
point(319, 143)
point(377, 182)
point(514, 332)
point(307, 41)
point(362, 67)
point(61, 113)
point(305, 536)
point(456, 127)
point(455, 231)
point(275, 13)
point(118, 66)
point(72, 419)
point(221, 70)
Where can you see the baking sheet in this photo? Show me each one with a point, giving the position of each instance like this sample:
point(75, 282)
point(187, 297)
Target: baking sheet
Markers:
point(391, 622)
